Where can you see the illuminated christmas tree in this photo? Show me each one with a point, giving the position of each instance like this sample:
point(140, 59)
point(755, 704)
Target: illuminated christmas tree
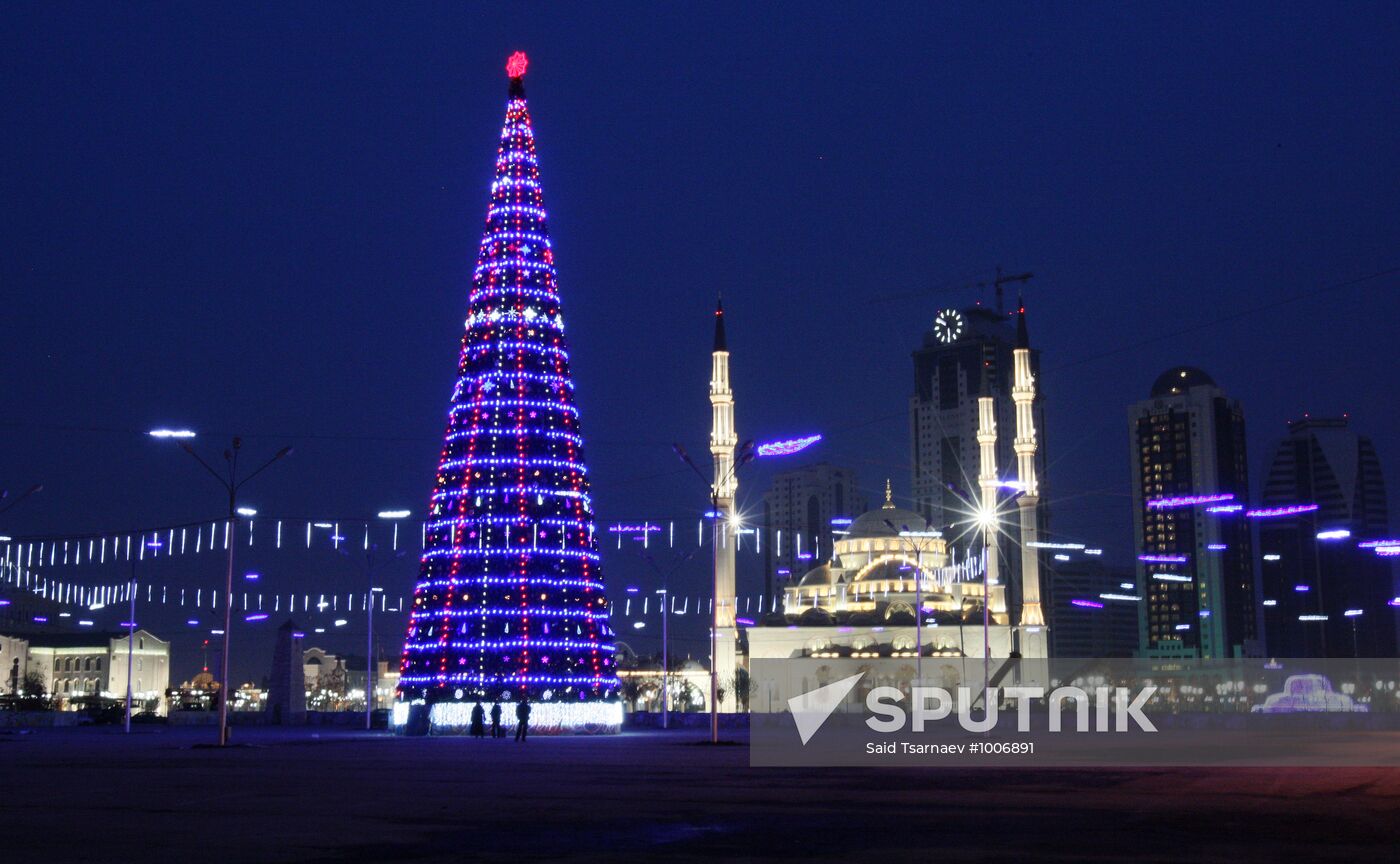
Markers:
point(510, 601)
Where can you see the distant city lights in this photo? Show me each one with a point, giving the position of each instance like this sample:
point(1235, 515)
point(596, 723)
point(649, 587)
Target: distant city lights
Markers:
point(1275, 512)
point(1087, 604)
point(1188, 500)
point(1163, 559)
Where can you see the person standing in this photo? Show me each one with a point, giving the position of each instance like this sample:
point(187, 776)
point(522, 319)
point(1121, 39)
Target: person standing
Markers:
point(522, 717)
point(478, 721)
point(496, 720)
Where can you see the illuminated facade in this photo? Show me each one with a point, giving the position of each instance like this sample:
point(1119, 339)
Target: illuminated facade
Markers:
point(73, 665)
point(1195, 568)
point(510, 599)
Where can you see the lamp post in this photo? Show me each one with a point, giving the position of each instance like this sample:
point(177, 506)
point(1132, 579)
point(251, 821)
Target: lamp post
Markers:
point(906, 534)
point(231, 484)
point(665, 592)
point(988, 520)
point(665, 659)
point(371, 568)
point(130, 640)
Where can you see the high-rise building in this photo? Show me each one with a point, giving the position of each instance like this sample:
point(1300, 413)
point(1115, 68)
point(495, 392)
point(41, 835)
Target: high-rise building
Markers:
point(1190, 478)
point(798, 510)
point(1091, 605)
point(1326, 590)
point(510, 602)
point(965, 356)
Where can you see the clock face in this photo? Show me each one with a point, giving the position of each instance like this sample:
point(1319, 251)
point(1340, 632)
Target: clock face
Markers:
point(948, 325)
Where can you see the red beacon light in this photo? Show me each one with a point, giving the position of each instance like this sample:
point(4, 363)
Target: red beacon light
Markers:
point(515, 66)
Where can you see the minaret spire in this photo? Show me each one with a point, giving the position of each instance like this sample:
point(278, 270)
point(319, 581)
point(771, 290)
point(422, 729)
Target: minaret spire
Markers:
point(723, 440)
point(1024, 444)
point(1023, 336)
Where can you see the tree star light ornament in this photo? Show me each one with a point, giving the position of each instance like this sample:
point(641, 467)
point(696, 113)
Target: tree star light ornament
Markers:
point(510, 598)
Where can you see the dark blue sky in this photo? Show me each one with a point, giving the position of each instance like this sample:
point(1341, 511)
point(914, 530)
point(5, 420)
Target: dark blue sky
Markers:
point(264, 222)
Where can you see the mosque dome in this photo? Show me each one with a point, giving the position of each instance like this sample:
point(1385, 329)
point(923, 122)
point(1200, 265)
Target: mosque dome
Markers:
point(817, 577)
point(877, 523)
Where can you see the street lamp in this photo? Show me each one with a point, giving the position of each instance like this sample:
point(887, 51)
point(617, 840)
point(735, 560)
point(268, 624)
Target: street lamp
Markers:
point(231, 484)
point(904, 533)
point(665, 592)
point(1351, 615)
point(988, 521)
point(370, 569)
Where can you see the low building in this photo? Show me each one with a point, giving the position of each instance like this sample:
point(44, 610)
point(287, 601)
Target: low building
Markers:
point(88, 664)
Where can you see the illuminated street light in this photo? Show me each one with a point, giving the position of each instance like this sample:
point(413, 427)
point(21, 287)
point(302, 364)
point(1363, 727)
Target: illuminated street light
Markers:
point(171, 433)
point(231, 484)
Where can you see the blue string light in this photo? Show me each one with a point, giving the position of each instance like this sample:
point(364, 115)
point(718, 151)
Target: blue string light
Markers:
point(510, 551)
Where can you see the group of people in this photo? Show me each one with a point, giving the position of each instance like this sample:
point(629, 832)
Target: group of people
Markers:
point(522, 720)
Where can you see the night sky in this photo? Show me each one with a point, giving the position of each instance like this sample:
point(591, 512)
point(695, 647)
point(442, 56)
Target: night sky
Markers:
point(264, 223)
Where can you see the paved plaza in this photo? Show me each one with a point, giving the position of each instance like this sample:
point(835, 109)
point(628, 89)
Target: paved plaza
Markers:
point(309, 795)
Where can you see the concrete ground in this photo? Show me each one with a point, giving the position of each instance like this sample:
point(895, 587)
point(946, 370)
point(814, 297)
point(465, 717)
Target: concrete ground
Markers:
point(332, 796)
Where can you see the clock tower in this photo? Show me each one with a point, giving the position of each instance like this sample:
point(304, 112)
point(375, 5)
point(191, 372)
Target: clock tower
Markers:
point(965, 355)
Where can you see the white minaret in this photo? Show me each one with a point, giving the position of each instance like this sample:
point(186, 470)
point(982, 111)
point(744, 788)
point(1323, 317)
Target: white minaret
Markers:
point(1023, 395)
point(987, 482)
point(723, 440)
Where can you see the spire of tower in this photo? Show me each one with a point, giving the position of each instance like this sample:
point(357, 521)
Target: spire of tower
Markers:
point(889, 496)
point(721, 344)
point(1023, 336)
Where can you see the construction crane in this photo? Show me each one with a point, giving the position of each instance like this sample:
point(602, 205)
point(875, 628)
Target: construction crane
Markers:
point(1003, 279)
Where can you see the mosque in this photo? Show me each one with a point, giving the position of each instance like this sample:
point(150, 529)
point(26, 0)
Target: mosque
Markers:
point(861, 603)
point(892, 569)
